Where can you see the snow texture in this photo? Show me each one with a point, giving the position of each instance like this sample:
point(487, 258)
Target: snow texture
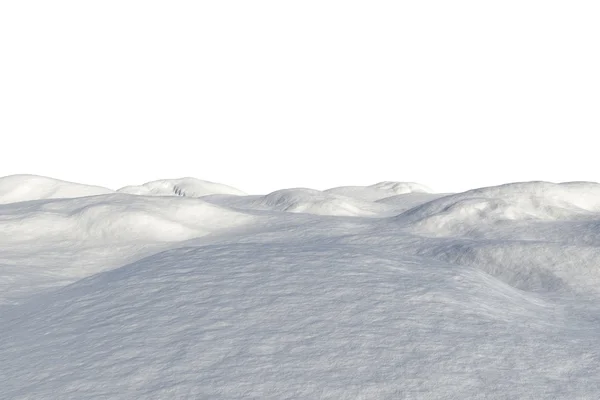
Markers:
point(188, 289)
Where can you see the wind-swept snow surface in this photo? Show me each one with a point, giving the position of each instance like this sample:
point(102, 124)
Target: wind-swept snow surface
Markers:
point(347, 293)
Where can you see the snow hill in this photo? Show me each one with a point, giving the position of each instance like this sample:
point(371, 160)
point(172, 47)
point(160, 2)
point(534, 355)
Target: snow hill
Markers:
point(32, 187)
point(533, 235)
point(194, 291)
point(511, 202)
point(115, 218)
point(382, 199)
point(190, 187)
point(380, 190)
point(315, 202)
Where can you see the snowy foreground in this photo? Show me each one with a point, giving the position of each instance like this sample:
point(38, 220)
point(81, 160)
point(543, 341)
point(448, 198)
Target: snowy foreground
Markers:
point(186, 289)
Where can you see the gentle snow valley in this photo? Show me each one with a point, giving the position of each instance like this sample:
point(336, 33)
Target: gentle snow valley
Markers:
point(188, 289)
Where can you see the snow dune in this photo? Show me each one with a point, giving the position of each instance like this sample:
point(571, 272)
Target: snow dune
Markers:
point(190, 289)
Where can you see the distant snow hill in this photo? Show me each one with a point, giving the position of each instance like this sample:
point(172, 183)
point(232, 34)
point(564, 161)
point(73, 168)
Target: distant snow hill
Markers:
point(511, 202)
point(380, 190)
point(379, 200)
point(116, 218)
point(190, 289)
point(536, 236)
point(16, 188)
point(190, 187)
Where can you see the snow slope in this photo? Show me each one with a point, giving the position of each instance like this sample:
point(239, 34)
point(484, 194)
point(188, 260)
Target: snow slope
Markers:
point(17, 188)
point(89, 232)
point(533, 235)
point(539, 201)
point(114, 218)
point(491, 293)
point(272, 321)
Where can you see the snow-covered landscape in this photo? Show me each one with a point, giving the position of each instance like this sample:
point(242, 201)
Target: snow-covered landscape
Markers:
point(188, 289)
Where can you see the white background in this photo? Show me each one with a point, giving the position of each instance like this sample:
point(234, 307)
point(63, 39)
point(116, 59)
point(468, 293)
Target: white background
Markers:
point(263, 95)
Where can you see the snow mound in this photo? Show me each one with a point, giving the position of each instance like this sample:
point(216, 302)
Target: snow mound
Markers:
point(186, 187)
point(115, 218)
point(476, 210)
point(379, 190)
point(312, 201)
point(16, 188)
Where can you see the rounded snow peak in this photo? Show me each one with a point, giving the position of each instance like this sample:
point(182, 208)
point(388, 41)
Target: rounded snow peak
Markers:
point(186, 187)
point(17, 188)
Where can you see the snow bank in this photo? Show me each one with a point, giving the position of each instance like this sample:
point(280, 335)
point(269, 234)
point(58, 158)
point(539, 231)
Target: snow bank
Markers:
point(115, 218)
point(16, 188)
point(379, 190)
point(476, 210)
point(189, 187)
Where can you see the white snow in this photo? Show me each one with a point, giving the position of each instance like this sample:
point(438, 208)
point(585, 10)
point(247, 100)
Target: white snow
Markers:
point(379, 292)
point(380, 190)
point(510, 202)
point(191, 187)
point(32, 187)
point(115, 218)
point(315, 202)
